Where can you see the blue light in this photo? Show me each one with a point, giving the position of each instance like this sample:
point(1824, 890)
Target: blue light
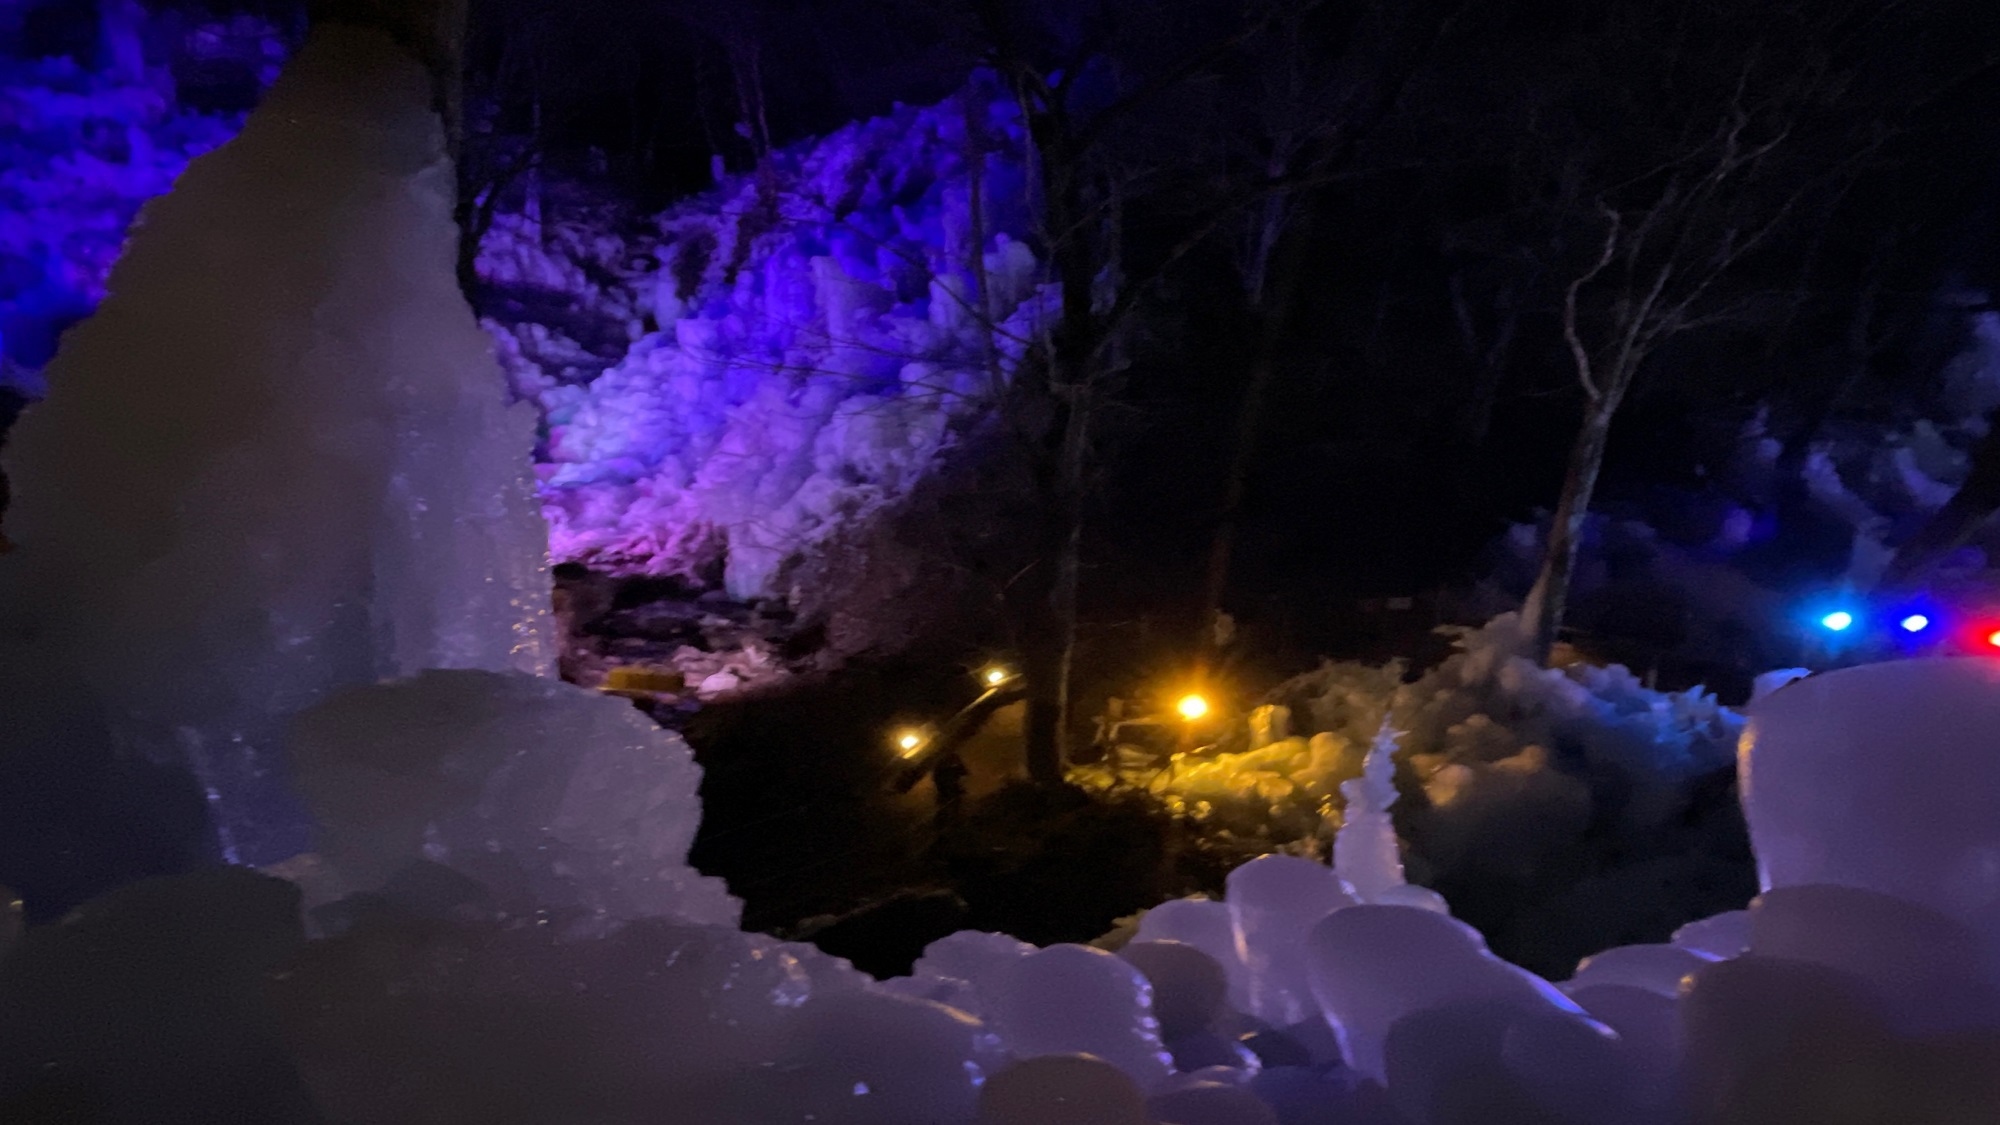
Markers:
point(1838, 620)
point(1915, 623)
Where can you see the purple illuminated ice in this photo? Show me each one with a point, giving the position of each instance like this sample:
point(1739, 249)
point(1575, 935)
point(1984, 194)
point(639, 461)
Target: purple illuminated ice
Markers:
point(872, 1058)
point(1721, 935)
point(961, 969)
point(1189, 988)
point(1365, 852)
point(1205, 924)
point(1210, 1103)
point(1655, 968)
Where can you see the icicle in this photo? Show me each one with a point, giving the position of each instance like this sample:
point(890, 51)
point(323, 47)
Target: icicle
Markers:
point(1365, 852)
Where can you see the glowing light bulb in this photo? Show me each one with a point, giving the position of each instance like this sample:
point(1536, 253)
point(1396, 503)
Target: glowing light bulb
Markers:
point(1993, 638)
point(996, 676)
point(1915, 623)
point(908, 742)
point(1838, 620)
point(1192, 707)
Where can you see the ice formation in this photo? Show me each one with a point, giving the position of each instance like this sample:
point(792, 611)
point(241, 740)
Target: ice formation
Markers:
point(278, 460)
point(1273, 901)
point(1365, 851)
point(1924, 828)
point(1821, 1003)
point(556, 799)
point(773, 362)
point(819, 332)
point(83, 148)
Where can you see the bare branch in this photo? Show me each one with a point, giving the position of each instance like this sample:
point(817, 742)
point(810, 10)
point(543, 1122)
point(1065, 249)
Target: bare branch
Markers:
point(1578, 352)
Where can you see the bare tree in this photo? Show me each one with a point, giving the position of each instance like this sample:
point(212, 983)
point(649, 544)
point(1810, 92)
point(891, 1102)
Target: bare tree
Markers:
point(1082, 107)
point(1672, 230)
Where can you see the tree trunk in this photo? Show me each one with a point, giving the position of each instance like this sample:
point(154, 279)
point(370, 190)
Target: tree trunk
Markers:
point(1243, 460)
point(1548, 600)
point(1488, 358)
point(1271, 280)
point(1058, 446)
point(1050, 602)
point(1044, 664)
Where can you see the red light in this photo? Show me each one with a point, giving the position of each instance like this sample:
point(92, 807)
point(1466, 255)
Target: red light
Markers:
point(1993, 638)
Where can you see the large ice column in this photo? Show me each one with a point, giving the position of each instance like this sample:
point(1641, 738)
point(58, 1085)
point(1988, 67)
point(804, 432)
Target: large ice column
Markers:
point(280, 459)
point(1883, 777)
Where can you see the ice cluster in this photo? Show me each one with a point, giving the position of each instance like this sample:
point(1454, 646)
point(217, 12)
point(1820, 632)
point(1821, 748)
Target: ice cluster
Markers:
point(83, 147)
point(278, 460)
point(806, 339)
point(1288, 1002)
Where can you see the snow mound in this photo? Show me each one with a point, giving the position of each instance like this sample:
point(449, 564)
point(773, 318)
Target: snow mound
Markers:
point(1479, 730)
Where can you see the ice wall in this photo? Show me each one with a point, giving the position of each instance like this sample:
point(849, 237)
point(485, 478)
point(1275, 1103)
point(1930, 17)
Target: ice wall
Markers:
point(82, 149)
point(279, 459)
point(806, 341)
